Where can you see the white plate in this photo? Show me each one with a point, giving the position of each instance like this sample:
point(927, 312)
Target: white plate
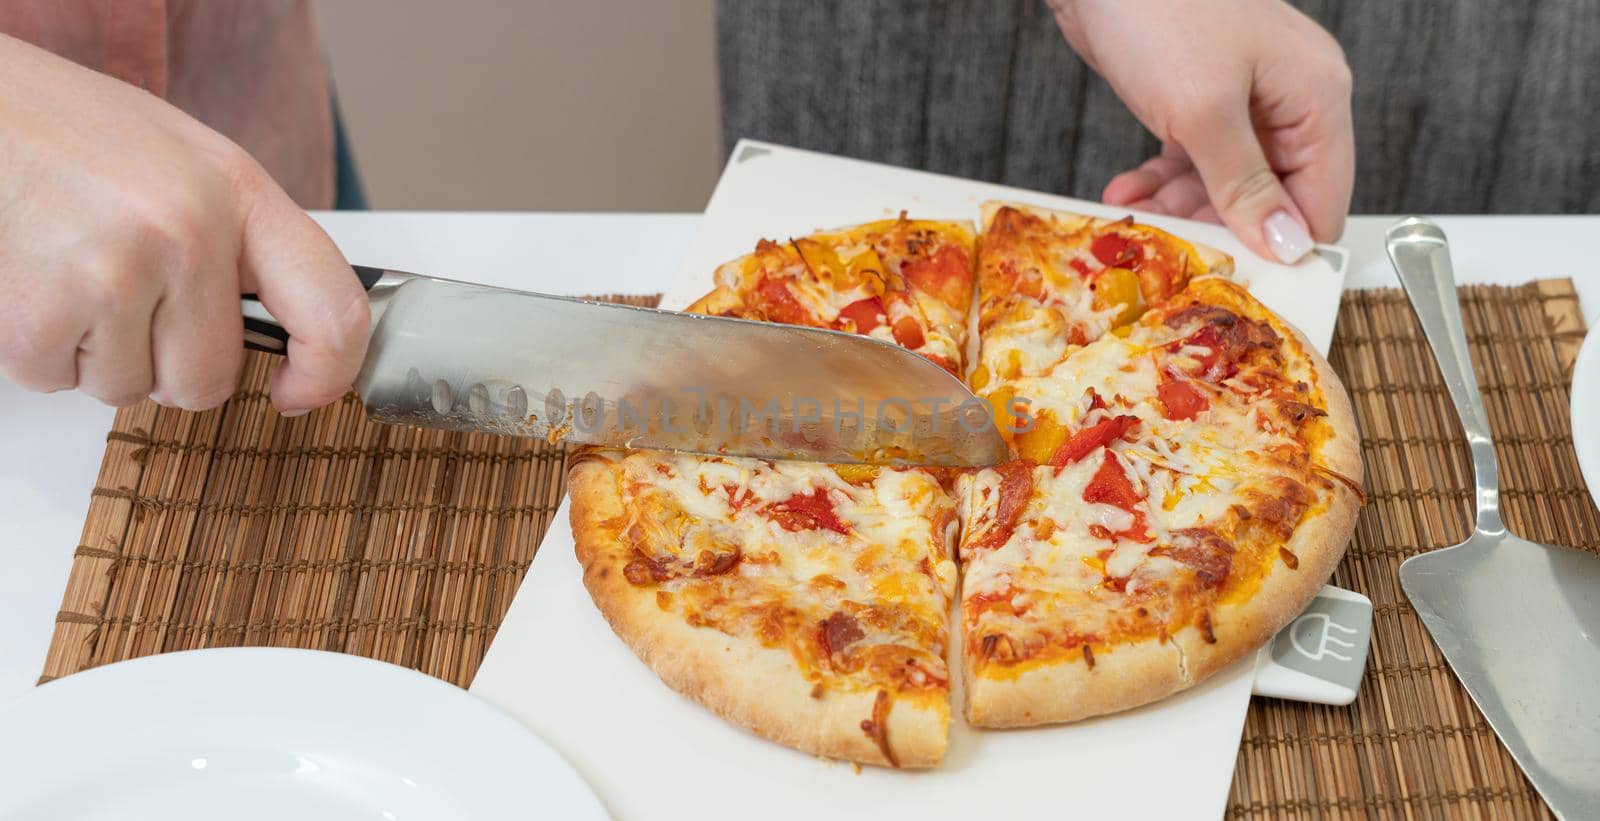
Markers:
point(1585, 410)
point(260, 733)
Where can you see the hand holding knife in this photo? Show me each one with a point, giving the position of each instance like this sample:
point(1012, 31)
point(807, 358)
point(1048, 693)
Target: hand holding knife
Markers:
point(457, 356)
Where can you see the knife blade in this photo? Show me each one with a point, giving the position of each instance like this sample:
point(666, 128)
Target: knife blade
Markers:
point(463, 357)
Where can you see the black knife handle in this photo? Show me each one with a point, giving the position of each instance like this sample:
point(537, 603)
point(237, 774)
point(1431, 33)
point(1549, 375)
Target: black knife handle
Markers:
point(263, 333)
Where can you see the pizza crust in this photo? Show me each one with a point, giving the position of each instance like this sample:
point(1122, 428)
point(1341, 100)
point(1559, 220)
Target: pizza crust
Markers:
point(1211, 260)
point(719, 301)
point(1069, 690)
point(756, 687)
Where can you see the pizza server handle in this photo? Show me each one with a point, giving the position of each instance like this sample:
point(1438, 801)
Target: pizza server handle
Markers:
point(1421, 257)
point(262, 332)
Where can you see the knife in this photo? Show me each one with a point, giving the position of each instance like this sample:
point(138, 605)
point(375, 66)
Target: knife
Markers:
point(464, 357)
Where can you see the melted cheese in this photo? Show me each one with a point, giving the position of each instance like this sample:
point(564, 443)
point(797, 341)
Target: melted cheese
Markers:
point(943, 326)
point(1070, 571)
point(890, 555)
point(1080, 579)
point(1033, 343)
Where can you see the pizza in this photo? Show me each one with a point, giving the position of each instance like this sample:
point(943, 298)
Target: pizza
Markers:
point(809, 603)
point(1183, 487)
point(901, 280)
point(1184, 475)
point(1051, 281)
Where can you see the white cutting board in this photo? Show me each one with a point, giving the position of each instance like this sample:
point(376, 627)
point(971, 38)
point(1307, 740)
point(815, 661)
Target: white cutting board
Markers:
point(652, 754)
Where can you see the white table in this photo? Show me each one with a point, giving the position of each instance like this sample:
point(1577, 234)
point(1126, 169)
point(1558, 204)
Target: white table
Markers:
point(50, 446)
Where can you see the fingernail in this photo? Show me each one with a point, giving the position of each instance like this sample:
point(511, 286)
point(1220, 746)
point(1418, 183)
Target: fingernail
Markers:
point(1288, 238)
point(293, 413)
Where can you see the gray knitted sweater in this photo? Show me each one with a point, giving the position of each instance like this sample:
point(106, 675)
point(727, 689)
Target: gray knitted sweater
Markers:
point(1460, 105)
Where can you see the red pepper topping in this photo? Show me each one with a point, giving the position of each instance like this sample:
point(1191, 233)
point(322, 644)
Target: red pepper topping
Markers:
point(1115, 251)
point(778, 303)
point(1111, 486)
point(1091, 438)
point(865, 314)
point(806, 511)
point(944, 274)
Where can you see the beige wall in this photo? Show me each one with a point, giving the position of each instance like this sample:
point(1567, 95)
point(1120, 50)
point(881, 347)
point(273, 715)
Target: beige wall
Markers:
point(562, 105)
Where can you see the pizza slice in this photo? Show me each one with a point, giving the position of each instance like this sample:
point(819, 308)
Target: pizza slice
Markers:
point(1185, 485)
point(901, 280)
point(809, 603)
point(1051, 281)
point(806, 603)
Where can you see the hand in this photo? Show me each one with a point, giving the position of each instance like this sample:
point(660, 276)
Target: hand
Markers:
point(128, 231)
point(1251, 99)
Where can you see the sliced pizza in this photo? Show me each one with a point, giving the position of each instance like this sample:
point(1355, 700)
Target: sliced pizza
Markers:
point(1051, 281)
point(1186, 474)
point(901, 280)
point(1184, 487)
point(809, 603)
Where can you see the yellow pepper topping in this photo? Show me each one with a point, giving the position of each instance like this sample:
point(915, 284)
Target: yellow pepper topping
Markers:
point(1119, 287)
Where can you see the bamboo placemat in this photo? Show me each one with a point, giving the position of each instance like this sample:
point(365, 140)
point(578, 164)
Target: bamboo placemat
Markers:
point(240, 527)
